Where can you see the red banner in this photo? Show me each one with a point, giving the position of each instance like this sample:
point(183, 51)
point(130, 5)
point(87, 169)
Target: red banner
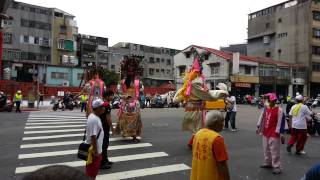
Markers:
point(243, 85)
point(1, 50)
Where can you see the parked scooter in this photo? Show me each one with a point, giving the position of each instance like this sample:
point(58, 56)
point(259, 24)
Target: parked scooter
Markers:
point(314, 124)
point(58, 105)
point(5, 104)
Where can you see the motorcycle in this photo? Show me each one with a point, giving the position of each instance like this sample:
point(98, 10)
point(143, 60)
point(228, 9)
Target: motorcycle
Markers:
point(7, 106)
point(58, 105)
point(313, 126)
point(157, 103)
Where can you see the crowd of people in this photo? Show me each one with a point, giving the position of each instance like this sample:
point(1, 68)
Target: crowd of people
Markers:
point(209, 152)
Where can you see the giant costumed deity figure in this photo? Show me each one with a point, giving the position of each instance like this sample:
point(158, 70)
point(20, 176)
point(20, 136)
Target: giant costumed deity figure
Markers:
point(130, 88)
point(197, 97)
point(94, 87)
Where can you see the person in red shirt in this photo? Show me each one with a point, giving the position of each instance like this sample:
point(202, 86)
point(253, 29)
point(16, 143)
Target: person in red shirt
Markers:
point(271, 126)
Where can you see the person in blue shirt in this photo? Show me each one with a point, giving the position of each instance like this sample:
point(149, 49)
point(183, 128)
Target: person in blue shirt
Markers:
point(313, 173)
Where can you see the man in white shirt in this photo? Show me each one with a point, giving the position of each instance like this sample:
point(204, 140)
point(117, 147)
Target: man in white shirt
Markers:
point(299, 114)
point(231, 112)
point(94, 136)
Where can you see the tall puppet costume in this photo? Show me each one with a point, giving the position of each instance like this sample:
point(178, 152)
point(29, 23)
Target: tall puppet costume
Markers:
point(195, 94)
point(94, 87)
point(129, 122)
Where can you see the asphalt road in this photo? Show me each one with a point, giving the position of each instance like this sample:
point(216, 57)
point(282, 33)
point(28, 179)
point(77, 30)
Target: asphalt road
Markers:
point(162, 149)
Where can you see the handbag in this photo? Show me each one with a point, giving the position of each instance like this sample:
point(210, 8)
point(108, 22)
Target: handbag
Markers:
point(83, 150)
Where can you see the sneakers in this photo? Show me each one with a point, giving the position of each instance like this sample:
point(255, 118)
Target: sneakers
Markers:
point(289, 148)
point(234, 130)
point(301, 153)
point(276, 171)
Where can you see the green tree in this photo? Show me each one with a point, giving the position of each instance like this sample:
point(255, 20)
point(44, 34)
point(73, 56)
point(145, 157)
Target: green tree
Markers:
point(110, 77)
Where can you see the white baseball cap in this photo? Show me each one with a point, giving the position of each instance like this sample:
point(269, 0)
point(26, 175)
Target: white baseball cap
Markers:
point(97, 103)
point(299, 98)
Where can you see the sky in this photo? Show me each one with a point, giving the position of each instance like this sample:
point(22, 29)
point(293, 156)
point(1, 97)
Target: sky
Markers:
point(163, 23)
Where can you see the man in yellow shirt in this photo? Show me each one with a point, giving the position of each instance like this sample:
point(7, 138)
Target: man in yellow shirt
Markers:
point(209, 154)
point(18, 100)
point(84, 99)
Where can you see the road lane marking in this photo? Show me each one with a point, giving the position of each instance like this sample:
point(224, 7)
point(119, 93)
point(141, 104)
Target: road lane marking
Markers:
point(53, 131)
point(52, 123)
point(75, 151)
point(58, 120)
point(51, 137)
point(49, 127)
point(24, 146)
point(55, 117)
point(27, 169)
point(144, 172)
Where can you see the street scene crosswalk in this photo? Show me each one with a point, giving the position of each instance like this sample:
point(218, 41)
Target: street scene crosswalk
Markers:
point(52, 138)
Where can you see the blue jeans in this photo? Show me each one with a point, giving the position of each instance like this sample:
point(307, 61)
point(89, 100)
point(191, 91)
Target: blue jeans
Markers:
point(83, 106)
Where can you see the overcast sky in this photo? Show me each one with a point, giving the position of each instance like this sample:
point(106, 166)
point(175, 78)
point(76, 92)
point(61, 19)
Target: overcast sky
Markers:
point(167, 23)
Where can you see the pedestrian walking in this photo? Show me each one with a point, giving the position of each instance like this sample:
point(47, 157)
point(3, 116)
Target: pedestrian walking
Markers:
point(209, 153)
point(271, 126)
point(84, 99)
point(18, 100)
point(94, 137)
point(231, 112)
point(41, 97)
point(299, 114)
point(107, 125)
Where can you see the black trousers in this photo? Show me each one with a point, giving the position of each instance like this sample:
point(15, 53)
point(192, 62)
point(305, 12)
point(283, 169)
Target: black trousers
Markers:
point(105, 145)
point(18, 106)
point(230, 116)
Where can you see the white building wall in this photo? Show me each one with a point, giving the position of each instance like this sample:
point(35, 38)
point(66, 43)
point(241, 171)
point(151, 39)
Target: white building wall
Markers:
point(223, 75)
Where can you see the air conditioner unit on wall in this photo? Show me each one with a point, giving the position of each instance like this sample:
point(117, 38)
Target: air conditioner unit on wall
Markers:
point(65, 83)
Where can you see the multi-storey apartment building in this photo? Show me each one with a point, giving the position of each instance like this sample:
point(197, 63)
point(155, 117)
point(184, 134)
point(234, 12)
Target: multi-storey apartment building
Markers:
point(34, 37)
point(92, 50)
point(157, 62)
point(289, 32)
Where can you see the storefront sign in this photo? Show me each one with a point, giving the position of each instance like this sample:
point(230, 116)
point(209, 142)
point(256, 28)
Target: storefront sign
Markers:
point(244, 79)
point(243, 85)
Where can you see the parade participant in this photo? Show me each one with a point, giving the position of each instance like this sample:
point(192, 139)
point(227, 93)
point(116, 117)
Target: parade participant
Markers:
point(107, 125)
point(129, 122)
point(18, 100)
point(209, 154)
point(194, 93)
point(299, 114)
point(94, 137)
point(271, 126)
point(84, 99)
point(95, 87)
point(231, 112)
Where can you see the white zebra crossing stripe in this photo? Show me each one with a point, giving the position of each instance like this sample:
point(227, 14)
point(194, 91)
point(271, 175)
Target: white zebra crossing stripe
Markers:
point(50, 144)
point(52, 137)
point(49, 127)
point(75, 151)
point(24, 146)
point(27, 169)
point(58, 120)
point(53, 131)
point(144, 172)
point(53, 123)
point(57, 117)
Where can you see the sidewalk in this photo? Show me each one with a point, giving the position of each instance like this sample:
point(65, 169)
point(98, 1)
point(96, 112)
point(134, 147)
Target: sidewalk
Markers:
point(46, 106)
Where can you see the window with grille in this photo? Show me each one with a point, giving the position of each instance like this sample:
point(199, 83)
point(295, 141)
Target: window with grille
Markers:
point(7, 38)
